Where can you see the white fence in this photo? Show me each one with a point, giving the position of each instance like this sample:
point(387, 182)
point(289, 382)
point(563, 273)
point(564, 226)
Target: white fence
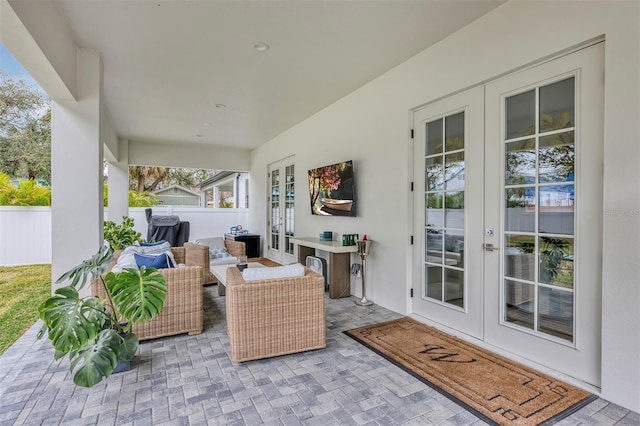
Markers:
point(25, 232)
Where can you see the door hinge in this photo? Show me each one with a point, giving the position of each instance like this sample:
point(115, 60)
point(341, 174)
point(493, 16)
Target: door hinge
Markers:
point(412, 240)
point(411, 133)
point(411, 293)
point(411, 186)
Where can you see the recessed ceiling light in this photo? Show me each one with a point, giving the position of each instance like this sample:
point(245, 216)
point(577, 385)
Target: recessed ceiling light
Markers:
point(207, 124)
point(221, 106)
point(260, 46)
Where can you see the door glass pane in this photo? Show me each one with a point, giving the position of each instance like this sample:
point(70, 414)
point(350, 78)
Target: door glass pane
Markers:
point(454, 248)
point(520, 211)
point(454, 209)
point(556, 312)
point(433, 246)
point(435, 212)
point(434, 282)
point(454, 171)
point(520, 162)
point(520, 303)
point(454, 287)
point(556, 156)
point(434, 173)
point(520, 115)
point(519, 257)
point(556, 209)
point(540, 210)
point(557, 105)
point(454, 131)
point(556, 261)
point(434, 137)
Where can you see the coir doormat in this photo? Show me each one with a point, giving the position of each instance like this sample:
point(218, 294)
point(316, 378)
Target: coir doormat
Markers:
point(494, 388)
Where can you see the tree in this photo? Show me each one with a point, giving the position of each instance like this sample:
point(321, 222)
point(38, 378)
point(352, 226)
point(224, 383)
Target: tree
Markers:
point(25, 130)
point(145, 178)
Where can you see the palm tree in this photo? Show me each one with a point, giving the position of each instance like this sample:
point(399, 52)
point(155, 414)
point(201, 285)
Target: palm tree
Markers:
point(141, 174)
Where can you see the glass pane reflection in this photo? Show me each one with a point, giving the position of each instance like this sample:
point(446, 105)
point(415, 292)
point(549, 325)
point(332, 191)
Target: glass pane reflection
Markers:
point(556, 261)
point(433, 246)
point(454, 132)
point(434, 212)
point(519, 257)
point(521, 114)
point(520, 209)
point(519, 300)
point(556, 209)
point(434, 137)
point(454, 209)
point(454, 287)
point(454, 171)
point(557, 105)
point(556, 313)
point(434, 282)
point(557, 157)
point(434, 179)
point(520, 162)
point(454, 248)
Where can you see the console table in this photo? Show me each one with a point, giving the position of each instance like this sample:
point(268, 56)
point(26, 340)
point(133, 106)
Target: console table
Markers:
point(339, 262)
point(251, 242)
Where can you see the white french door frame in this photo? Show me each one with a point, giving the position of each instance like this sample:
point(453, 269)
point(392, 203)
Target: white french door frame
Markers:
point(280, 212)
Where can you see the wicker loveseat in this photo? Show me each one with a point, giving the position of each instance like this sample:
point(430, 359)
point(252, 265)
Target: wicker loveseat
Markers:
point(267, 318)
point(183, 306)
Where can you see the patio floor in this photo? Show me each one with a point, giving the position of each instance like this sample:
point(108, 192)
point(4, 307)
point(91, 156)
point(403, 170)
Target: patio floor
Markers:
point(190, 380)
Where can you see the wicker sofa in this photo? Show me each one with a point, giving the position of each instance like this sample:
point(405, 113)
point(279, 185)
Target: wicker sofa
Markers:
point(267, 318)
point(183, 306)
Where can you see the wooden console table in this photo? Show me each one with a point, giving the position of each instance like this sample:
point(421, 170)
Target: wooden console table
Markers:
point(339, 262)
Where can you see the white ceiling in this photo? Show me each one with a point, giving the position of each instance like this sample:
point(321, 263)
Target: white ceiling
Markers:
point(168, 63)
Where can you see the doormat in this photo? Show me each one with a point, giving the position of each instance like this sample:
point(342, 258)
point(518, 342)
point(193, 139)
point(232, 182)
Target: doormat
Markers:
point(494, 388)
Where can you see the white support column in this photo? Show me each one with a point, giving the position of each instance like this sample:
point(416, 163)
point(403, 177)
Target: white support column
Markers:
point(76, 170)
point(119, 183)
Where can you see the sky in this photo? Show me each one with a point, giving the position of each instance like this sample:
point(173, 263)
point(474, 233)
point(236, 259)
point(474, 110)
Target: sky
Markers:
point(12, 68)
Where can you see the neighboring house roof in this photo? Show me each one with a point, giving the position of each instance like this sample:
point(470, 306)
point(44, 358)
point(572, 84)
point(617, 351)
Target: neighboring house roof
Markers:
point(178, 187)
point(213, 179)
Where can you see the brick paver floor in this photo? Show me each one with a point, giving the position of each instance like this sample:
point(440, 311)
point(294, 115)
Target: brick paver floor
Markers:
point(190, 380)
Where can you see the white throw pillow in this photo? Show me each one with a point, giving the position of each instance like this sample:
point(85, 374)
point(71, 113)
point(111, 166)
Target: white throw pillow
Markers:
point(212, 243)
point(287, 271)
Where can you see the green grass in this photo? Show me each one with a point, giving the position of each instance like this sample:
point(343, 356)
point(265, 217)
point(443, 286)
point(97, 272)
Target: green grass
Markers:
point(22, 289)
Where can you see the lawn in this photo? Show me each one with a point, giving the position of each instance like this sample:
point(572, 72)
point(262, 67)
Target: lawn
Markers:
point(22, 289)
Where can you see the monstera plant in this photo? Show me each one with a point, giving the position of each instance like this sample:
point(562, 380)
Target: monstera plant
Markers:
point(96, 333)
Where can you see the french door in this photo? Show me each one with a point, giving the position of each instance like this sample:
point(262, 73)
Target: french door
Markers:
point(280, 221)
point(510, 232)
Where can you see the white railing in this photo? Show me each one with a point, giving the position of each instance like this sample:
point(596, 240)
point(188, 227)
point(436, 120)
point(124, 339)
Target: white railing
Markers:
point(25, 232)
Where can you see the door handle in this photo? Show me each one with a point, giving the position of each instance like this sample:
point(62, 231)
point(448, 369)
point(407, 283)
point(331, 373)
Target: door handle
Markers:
point(490, 247)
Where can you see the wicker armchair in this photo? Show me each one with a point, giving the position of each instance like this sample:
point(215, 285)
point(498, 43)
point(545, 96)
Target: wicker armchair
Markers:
point(183, 306)
point(274, 317)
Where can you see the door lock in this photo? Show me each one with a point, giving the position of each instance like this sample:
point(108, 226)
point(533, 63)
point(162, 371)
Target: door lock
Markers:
point(490, 247)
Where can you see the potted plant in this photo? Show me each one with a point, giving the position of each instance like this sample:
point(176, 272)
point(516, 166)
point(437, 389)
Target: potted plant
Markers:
point(121, 235)
point(96, 333)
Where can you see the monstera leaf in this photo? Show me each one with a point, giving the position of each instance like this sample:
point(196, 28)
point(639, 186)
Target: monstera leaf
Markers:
point(89, 268)
point(138, 294)
point(96, 360)
point(71, 321)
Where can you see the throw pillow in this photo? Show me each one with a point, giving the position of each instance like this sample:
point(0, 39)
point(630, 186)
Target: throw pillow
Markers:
point(217, 253)
point(159, 262)
point(143, 244)
point(287, 271)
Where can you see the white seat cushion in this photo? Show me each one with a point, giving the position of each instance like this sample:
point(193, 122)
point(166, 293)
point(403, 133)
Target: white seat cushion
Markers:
point(287, 271)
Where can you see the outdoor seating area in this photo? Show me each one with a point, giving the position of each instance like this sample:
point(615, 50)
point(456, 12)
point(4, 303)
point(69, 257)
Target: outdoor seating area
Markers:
point(192, 380)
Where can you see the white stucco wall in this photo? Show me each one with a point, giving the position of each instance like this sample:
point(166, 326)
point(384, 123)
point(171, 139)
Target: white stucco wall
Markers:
point(371, 126)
